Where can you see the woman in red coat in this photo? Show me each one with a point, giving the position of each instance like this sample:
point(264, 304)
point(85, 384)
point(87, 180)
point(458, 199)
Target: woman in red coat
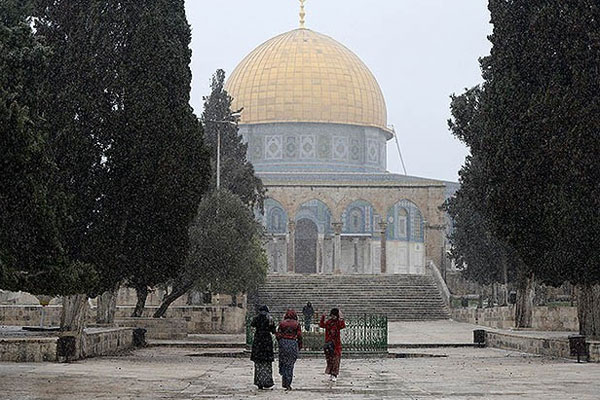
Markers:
point(333, 341)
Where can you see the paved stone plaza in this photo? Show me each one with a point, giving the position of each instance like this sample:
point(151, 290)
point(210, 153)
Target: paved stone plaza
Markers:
point(175, 373)
point(424, 373)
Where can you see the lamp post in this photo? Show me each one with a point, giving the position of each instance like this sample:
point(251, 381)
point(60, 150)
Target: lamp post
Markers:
point(232, 120)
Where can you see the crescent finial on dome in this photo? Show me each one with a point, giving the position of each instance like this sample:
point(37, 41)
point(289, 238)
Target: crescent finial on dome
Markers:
point(302, 13)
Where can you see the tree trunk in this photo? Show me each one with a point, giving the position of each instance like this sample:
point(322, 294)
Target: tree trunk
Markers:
point(107, 307)
point(72, 320)
point(142, 295)
point(481, 294)
point(588, 310)
point(504, 286)
point(502, 294)
point(524, 305)
point(176, 293)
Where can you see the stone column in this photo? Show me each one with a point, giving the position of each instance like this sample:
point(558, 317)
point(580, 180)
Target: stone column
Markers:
point(337, 248)
point(383, 247)
point(291, 247)
point(276, 260)
point(320, 255)
point(355, 263)
point(425, 240)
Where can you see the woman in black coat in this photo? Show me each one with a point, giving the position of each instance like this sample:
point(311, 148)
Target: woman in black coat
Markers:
point(262, 348)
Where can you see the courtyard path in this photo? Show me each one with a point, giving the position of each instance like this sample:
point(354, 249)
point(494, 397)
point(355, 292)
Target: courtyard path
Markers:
point(177, 373)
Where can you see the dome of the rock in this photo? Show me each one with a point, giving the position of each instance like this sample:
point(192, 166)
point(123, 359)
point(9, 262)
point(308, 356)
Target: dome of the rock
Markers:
point(305, 76)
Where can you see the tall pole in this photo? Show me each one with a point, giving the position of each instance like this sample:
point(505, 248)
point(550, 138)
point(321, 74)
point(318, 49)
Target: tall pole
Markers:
point(218, 156)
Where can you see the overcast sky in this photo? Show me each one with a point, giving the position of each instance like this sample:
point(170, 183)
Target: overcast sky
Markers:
point(420, 51)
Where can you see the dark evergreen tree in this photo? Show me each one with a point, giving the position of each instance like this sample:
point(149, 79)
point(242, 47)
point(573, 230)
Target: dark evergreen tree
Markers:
point(158, 167)
point(78, 112)
point(36, 207)
point(567, 111)
point(32, 256)
point(226, 253)
point(481, 256)
point(533, 127)
point(237, 173)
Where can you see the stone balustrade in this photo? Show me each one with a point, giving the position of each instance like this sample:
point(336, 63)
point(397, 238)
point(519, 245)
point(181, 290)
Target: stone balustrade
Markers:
point(157, 328)
point(544, 318)
point(198, 319)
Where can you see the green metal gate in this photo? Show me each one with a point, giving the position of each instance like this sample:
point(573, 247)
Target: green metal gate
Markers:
point(363, 334)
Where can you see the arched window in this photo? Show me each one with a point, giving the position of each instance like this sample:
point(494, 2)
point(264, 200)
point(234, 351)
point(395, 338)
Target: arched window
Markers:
point(417, 231)
point(277, 221)
point(356, 221)
point(405, 222)
point(358, 218)
point(275, 218)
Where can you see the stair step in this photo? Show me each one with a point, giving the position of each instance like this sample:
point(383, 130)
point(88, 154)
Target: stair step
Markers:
point(400, 297)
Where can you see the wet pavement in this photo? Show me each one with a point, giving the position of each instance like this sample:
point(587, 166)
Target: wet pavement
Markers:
point(177, 373)
point(430, 332)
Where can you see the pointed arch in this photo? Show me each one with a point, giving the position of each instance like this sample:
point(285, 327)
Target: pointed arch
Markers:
point(275, 218)
point(358, 217)
point(405, 222)
point(318, 212)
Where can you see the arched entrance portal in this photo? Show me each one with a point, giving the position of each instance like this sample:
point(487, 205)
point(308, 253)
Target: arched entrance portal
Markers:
point(306, 246)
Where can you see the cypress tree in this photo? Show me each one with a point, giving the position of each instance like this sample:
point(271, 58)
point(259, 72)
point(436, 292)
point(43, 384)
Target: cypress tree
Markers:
point(31, 251)
point(158, 167)
point(78, 111)
point(534, 128)
point(482, 257)
point(37, 252)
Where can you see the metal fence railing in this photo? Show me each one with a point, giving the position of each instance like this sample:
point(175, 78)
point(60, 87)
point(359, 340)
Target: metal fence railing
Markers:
point(367, 333)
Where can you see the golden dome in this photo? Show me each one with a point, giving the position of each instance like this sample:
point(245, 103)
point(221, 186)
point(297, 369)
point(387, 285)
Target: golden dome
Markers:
point(304, 76)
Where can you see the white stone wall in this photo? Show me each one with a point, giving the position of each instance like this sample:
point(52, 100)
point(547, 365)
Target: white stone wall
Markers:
point(356, 260)
point(405, 258)
point(402, 257)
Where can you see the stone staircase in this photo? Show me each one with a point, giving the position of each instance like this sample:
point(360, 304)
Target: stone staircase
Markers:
point(400, 297)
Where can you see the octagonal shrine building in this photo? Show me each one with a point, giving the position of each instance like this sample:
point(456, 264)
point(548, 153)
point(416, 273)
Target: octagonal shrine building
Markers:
point(315, 121)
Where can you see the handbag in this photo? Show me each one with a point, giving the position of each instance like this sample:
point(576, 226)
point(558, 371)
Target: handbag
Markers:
point(329, 348)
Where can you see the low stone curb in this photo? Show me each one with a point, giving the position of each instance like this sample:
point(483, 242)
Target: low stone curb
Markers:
point(429, 345)
point(315, 355)
point(201, 345)
point(557, 347)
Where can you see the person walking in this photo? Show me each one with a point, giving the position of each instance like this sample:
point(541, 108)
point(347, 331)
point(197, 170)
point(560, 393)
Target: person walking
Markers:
point(289, 335)
point(262, 348)
point(333, 342)
point(308, 311)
